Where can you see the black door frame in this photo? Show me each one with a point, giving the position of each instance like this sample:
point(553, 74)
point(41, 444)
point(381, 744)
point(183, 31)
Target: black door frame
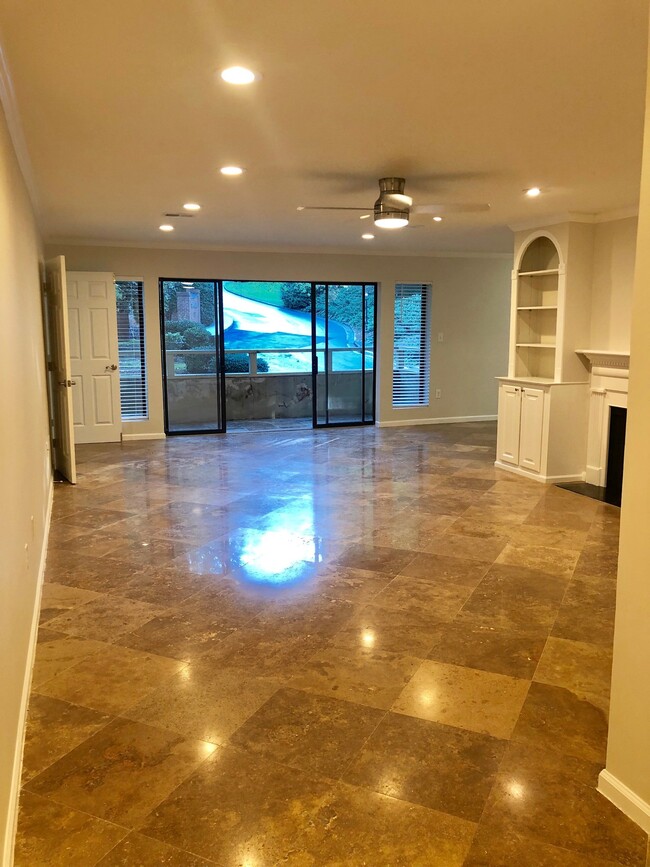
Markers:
point(219, 354)
point(314, 349)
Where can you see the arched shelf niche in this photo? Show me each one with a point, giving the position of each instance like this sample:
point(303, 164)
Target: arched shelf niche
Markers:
point(536, 308)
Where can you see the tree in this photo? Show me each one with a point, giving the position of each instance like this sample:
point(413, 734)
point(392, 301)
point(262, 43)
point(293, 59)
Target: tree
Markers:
point(296, 296)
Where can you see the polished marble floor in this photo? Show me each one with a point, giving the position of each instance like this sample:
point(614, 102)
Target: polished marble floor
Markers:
point(347, 647)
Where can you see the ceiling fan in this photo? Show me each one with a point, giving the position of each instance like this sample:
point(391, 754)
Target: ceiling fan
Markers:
point(393, 208)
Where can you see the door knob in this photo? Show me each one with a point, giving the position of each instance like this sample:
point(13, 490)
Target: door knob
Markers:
point(111, 367)
point(67, 383)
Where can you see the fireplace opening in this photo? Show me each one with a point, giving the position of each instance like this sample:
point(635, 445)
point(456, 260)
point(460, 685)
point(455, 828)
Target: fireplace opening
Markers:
point(615, 453)
point(611, 493)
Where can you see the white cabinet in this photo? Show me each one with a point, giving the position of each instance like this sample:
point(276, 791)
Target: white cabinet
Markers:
point(521, 423)
point(509, 423)
point(532, 422)
point(542, 428)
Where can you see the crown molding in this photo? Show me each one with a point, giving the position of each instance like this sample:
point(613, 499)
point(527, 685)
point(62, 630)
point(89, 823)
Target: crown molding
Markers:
point(576, 217)
point(16, 134)
point(277, 250)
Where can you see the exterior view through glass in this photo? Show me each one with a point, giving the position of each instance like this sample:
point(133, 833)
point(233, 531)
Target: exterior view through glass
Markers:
point(261, 355)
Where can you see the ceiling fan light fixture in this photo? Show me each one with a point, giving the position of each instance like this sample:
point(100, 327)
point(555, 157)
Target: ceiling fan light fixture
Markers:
point(388, 217)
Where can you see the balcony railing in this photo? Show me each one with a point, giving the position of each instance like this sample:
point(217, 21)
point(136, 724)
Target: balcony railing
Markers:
point(171, 356)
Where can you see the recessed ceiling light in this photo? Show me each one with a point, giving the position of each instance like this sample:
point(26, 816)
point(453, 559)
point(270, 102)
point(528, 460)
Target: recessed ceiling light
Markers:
point(364, 217)
point(238, 75)
point(231, 170)
point(367, 237)
point(166, 228)
point(192, 206)
point(533, 192)
point(437, 219)
point(300, 208)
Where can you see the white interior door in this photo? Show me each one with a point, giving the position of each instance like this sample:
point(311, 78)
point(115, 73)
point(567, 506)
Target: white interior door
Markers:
point(92, 317)
point(62, 384)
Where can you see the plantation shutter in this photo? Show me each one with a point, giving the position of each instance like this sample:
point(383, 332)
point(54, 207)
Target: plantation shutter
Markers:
point(130, 335)
point(411, 345)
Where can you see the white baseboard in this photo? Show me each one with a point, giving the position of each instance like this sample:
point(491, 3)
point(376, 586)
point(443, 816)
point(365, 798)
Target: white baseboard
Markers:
point(449, 420)
point(594, 476)
point(14, 794)
point(538, 477)
point(143, 436)
point(625, 799)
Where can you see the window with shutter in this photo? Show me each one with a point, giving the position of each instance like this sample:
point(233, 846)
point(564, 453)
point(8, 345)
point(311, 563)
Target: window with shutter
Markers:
point(411, 344)
point(130, 335)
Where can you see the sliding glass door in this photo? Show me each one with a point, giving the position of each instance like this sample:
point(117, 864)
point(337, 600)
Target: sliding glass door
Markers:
point(192, 356)
point(343, 353)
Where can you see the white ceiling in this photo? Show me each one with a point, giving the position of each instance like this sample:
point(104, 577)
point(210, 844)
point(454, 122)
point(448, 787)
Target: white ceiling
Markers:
point(125, 117)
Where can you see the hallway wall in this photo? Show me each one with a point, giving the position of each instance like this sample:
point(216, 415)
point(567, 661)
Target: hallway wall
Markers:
point(470, 306)
point(26, 470)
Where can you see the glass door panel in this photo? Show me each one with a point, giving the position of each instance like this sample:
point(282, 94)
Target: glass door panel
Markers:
point(192, 348)
point(343, 329)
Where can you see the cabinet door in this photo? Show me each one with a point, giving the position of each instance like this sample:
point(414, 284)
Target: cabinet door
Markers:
point(509, 418)
point(532, 420)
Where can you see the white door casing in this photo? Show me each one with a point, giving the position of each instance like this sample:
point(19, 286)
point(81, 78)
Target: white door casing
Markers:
point(532, 423)
point(62, 383)
point(509, 423)
point(92, 317)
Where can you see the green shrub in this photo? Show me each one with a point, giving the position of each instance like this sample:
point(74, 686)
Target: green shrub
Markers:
point(201, 363)
point(239, 363)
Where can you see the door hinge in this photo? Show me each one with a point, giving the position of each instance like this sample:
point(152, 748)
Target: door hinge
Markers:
point(54, 442)
point(50, 366)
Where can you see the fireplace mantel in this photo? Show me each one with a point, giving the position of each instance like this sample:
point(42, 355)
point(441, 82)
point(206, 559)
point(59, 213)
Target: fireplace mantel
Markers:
point(605, 358)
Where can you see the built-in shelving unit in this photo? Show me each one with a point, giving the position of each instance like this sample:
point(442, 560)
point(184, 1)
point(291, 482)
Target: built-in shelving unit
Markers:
point(543, 401)
point(536, 296)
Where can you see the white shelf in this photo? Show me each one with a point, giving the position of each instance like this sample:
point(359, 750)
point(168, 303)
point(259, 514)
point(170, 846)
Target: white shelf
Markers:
point(539, 307)
point(536, 345)
point(539, 273)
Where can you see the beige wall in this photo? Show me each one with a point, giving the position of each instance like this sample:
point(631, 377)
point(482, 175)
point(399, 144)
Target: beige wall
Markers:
point(613, 278)
point(627, 776)
point(25, 472)
point(470, 308)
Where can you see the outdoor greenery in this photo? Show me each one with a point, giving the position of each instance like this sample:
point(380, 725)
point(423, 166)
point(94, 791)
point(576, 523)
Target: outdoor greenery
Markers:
point(267, 293)
point(344, 304)
point(173, 287)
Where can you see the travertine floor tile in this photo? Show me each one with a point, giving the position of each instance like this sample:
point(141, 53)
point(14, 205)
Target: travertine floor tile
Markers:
point(556, 719)
point(121, 772)
point(552, 798)
point(480, 701)
point(54, 728)
point(357, 827)
point(477, 645)
point(105, 618)
point(52, 835)
point(316, 734)
point(136, 850)
point(363, 675)
point(205, 702)
point(583, 668)
point(239, 808)
point(430, 764)
point(111, 681)
point(252, 621)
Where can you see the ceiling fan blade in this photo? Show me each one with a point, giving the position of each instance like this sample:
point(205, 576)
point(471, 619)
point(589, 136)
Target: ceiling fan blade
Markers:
point(459, 208)
point(332, 208)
